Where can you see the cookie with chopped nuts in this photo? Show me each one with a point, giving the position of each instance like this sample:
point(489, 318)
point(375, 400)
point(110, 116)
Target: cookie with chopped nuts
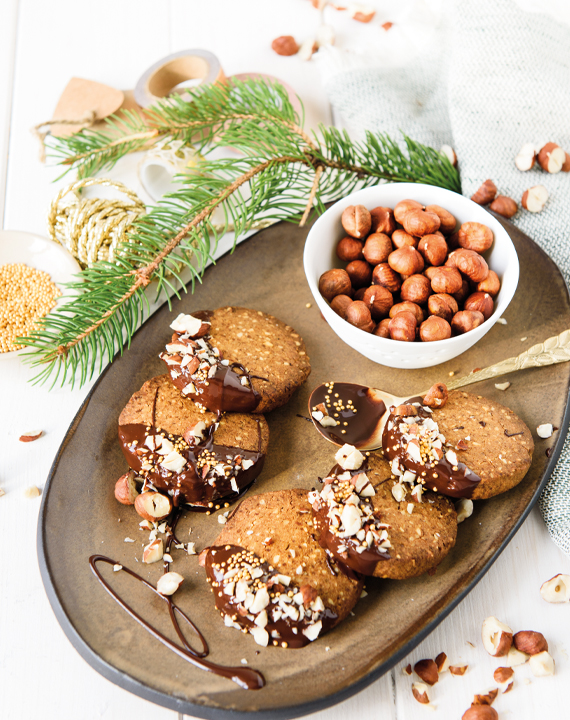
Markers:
point(488, 438)
point(235, 359)
point(181, 449)
point(293, 590)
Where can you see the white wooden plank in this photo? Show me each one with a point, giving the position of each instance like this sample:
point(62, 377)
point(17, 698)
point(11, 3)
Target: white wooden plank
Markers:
point(8, 30)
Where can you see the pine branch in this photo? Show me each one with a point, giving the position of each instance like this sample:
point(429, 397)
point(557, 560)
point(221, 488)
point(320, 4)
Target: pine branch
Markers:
point(282, 175)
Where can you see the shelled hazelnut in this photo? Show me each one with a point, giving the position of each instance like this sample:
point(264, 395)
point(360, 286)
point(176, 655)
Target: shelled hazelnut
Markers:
point(411, 273)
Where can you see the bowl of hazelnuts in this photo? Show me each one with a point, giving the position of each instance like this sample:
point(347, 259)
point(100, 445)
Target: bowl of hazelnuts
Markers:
point(410, 275)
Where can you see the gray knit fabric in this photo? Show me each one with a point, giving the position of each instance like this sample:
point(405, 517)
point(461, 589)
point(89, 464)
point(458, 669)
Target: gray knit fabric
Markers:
point(502, 79)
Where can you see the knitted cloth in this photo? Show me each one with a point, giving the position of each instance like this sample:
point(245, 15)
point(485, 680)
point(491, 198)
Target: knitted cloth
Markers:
point(491, 78)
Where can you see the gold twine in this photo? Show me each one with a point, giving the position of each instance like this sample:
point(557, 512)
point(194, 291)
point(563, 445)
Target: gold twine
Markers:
point(85, 121)
point(92, 228)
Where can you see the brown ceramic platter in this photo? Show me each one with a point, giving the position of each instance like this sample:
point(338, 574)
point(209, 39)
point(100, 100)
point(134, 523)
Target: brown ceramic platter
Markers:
point(80, 517)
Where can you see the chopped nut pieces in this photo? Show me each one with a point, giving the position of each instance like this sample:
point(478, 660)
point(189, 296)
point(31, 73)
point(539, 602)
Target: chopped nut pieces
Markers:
point(421, 692)
point(458, 669)
point(530, 642)
point(153, 506)
point(448, 152)
point(551, 158)
point(503, 674)
point(464, 508)
point(486, 699)
point(497, 637)
point(427, 671)
point(31, 436)
point(515, 657)
point(349, 458)
point(541, 664)
point(407, 670)
point(117, 567)
point(285, 45)
point(534, 199)
point(442, 662)
point(545, 431)
point(503, 386)
point(169, 583)
point(32, 492)
point(436, 396)
point(526, 157)
point(125, 489)
point(557, 589)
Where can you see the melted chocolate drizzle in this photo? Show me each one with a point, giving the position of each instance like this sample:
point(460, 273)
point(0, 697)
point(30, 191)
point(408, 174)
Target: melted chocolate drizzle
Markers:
point(246, 678)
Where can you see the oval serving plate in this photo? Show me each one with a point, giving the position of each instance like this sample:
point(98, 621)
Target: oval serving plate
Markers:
point(79, 515)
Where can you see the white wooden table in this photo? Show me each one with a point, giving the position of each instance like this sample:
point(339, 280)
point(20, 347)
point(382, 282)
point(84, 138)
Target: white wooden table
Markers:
point(41, 46)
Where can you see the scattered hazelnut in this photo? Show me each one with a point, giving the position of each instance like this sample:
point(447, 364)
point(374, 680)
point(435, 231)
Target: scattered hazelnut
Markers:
point(334, 282)
point(125, 489)
point(360, 273)
point(403, 207)
point(421, 222)
point(403, 326)
point(433, 248)
point(541, 664)
point(485, 194)
point(458, 670)
point(416, 289)
point(557, 589)
point(480, 712)
point(470, 263)
point(482, 302)
point(491, 284)
point(339, 303)
point(169, 583)
point(435, 328)
point(32, 492)
point(503, 674)
point(486, 699)
point(153, 506)
point(466, 320)
point(464, 509)
point(534, 199)
point(443, 305)
point(504, 205)
point(382, 329)
point(308, 48)
point(349, 249)
point(545, 430)
point(31, 435)
point(497, 637)
point(530, 642)
point(526, 157)
point(437, 395)
point(385, 276)
point(356, 221)
point(406, 261)
point(447, 221)
point(383, 220)
point(401, 238)
point(446, 280)
point(153, 552)
point(285, 45)
point(442, 662)
point(566, 165)
point(448, 152)
point(379, 300)
point(421, 692)
point(427, 671)
point(362, 13)
point(515, 657)
point(358, 314)
point(408, 306)
point(377, 248)
point(475, 236)
point(551, 157)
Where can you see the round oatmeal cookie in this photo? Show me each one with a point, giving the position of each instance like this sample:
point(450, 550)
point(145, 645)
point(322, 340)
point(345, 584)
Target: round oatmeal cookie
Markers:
point(236, 359)
point(182, 449)
point(270, 538)
point(489, 438)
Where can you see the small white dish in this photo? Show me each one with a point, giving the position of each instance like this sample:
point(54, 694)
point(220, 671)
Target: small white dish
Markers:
point(320, 256)
point(40, 253)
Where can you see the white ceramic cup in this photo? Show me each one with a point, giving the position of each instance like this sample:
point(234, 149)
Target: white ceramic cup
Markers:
point(320, 256)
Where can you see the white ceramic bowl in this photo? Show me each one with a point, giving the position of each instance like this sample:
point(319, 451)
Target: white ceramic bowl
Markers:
point(320, 255)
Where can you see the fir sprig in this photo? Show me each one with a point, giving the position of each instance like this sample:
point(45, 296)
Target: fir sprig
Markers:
point(281, 175)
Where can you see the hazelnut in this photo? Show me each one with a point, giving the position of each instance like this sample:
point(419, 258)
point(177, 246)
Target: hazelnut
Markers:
point(551, 158)
point(340, 303)
point(470, 263)
point(349, 249)
point(421, 222)
point(401, 238)
point(466, 320)
point(125, 489)
point(453, 240)
point(169, 583)
point(429, 272)
point(446, 280)
point(421, 693)
point(378, 300)
point(487, 698)
point(485, 194)
point(433, 248)
point(503, 674)
point(403, 326)
point(360, 273)
point(403, 207)
point(566, 165)
point(461, 295)
point(475, 236)
point(448, 152)
point(427, 671)
point(334, 282)
point(504, 205)
point(458, 670)
point(358, 314)
point(356, 221)
point(285, 45)
point(541, 664)
point(153, 506)
point(482, 302)
point(446, 219)
point(530, 642)
point(359, 294)
point(526, 157)
point(480, 712)
point(442, 662)
point(377, 248)
point(385, 276)
point(497, 637)
point(435, 328)
point(436, 397)
point(557, 589)
point(416, 289)
point(382, 329)
point(383, 220)
point(406, 261)
point(443, 305)
point(534, 199)
point(491, 284)
point(408, 306)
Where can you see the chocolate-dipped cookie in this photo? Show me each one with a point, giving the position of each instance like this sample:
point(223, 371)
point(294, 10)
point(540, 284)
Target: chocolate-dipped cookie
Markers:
point(189, 453)
point(270, 576)
point(237, 360)
point(363, 519)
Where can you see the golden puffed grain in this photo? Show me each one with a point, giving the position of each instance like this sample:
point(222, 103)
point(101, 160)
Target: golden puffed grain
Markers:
point(26, 294)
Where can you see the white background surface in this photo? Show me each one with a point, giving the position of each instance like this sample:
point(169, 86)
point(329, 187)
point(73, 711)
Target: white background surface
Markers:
point(41, 46)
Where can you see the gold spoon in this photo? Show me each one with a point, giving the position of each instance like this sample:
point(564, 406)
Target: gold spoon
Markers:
point(361, 411)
